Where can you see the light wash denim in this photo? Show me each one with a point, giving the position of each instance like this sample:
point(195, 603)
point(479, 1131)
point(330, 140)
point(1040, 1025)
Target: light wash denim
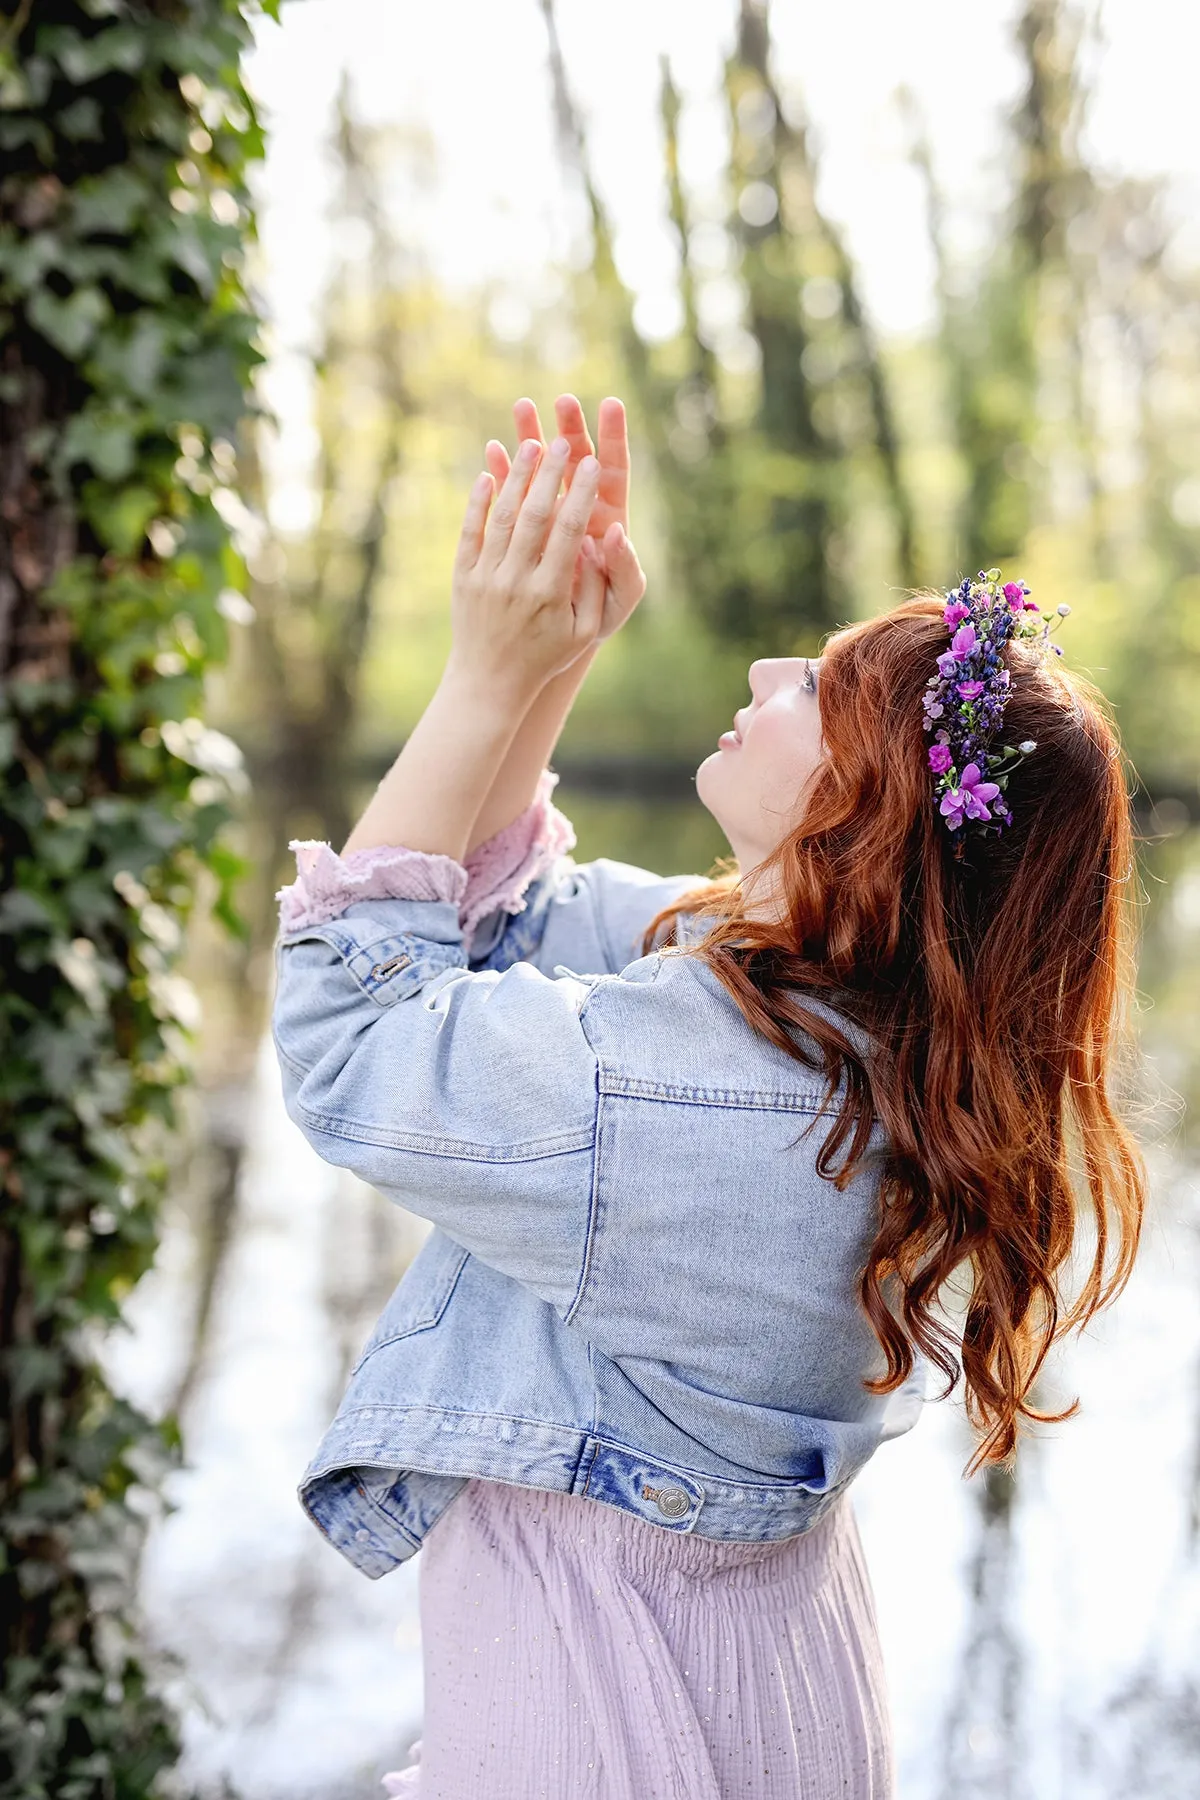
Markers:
point(638, 1287)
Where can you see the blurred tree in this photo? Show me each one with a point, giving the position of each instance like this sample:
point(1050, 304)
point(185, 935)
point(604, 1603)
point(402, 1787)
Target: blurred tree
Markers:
point(994, 327)
point(127, 350)
point(757, 493)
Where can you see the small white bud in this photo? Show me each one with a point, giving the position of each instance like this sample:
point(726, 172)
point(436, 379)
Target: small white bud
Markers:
point(1062, 611)
point(1030, 744)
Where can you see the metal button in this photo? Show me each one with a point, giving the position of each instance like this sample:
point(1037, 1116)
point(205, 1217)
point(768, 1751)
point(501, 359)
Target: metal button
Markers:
point(672, 1502)
point(361, 1536)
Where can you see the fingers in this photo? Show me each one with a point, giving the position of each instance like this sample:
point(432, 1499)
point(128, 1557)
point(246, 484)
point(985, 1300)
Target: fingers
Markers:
point(470, 541)
point(498, 461)
point(563, 544)
point(510, 502)
point(537, 509)
point(572, 425)
point(613, 451)
point(529, 426)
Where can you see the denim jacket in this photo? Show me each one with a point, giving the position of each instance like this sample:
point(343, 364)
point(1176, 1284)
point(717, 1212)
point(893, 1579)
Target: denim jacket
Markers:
point(637, 1288)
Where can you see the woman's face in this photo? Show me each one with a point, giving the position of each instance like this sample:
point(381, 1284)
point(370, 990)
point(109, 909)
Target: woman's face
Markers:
point(754, 783)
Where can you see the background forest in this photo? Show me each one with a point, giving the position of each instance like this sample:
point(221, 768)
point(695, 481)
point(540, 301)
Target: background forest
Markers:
point(798, 465)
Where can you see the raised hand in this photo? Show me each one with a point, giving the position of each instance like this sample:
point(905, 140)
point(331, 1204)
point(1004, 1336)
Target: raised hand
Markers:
point(528, 592)
point(608, 525)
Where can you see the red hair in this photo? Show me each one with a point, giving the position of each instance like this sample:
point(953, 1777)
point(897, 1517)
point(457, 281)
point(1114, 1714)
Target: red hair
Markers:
point(995, 991)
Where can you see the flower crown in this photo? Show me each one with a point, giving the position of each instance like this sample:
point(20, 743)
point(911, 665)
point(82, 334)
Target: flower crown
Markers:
point(964, 702)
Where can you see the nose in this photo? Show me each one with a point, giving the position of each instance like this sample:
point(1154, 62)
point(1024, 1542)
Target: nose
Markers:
point(768, 672)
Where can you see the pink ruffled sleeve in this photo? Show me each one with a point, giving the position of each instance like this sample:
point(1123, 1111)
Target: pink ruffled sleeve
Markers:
point(495, 875)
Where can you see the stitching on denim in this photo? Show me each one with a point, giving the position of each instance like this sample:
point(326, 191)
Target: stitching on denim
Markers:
point(719, 1488)
point(394, 1523)
point(532, 1150)
point(593, 1220)
point(591, 1449)
point(635, 1087)
point(372, 1349)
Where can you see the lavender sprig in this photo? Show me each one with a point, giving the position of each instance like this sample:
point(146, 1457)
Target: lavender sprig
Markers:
point(964, 702)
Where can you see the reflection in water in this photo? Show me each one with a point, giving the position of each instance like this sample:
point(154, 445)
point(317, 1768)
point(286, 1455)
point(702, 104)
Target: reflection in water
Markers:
point(1042, 1637)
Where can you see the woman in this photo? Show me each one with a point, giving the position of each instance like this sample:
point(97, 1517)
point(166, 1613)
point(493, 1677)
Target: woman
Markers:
point(703, 1159)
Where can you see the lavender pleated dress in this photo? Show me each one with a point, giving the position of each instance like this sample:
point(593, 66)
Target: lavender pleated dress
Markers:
point(573, 1652)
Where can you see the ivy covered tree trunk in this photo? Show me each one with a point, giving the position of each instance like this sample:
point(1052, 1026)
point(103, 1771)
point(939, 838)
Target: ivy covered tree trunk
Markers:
point(127, 349)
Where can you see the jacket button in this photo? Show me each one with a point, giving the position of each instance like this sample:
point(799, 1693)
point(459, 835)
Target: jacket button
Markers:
point(672, 1502)
point(361, 1536)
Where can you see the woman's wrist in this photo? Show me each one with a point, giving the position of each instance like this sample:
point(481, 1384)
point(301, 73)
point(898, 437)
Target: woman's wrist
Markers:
point(501, 696)
point(515, 785)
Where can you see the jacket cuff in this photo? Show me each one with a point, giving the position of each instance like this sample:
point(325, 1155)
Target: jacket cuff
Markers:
point(494, 877)
point(327, 884)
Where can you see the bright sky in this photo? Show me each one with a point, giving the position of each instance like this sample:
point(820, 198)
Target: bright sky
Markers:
point(471, 74)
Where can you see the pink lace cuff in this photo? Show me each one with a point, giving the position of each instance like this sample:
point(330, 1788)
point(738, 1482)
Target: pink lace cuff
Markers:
point(494, 876)
point(326, 883)
point(500, 869)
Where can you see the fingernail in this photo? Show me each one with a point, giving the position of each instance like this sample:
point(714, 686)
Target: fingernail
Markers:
point(589, 466)
point(529, 451)
point(560, 447)
point(482, 484)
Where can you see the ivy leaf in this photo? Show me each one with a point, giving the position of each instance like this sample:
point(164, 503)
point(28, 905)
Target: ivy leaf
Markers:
point(20, 910)
point(82, 59)
point(81, 121)
point(119, 518)
point(109, 202)
point(105, 441)
point(71, 324)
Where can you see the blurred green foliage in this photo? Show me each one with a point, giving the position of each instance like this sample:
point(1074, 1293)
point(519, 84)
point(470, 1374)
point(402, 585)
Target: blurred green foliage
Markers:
point(791, 470)
point(128, 344)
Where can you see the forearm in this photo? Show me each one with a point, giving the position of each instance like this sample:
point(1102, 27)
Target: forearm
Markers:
point(432, 795)
point(515, 783)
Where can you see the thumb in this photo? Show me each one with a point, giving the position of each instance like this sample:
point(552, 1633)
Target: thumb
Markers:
point(588, 598)
point(625, 574)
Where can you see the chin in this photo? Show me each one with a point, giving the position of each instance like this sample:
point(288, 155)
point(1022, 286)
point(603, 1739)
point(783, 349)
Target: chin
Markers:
point(701, 777)
point(707, 782)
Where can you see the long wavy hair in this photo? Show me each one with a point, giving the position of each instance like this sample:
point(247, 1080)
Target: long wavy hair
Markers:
point(995, 991)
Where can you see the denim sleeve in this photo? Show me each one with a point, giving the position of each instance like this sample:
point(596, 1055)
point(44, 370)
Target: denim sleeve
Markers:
point(586, 917)
point(469, 1097)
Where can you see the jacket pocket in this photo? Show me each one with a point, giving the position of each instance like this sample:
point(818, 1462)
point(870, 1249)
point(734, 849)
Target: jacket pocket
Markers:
point(422, 1296)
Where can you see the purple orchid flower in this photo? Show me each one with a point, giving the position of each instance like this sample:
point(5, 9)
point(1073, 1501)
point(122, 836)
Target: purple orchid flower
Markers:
point(968, 799)
point(1014, 593)
point(947, 662)
point(940, 758)
point(970, 690)
point(963, 642)
point(954, 614)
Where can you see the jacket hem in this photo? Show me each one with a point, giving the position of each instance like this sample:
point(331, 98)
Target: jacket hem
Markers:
point(385, 1474)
